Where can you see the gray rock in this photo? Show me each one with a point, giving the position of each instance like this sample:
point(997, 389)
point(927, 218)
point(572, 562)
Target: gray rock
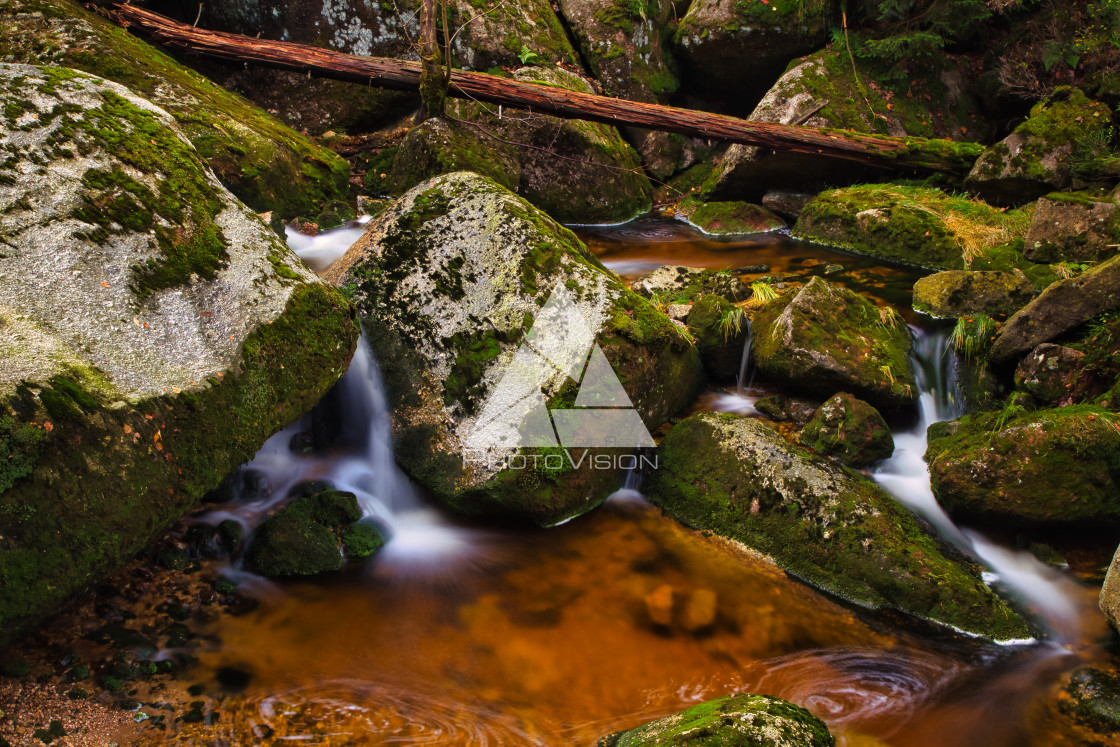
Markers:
point(955, 293)
point(1072, 228)
point(1050, 373)
point(683, 284)
point(1060, 308)
point(786, 203)
point(1110, 593)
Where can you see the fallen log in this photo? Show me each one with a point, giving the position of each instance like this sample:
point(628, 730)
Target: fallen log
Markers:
point(874, 150)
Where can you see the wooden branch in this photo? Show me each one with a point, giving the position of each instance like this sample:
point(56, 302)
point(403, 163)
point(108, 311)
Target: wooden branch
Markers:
point(873, 150)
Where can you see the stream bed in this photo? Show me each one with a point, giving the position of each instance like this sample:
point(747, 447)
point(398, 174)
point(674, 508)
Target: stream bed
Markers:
point(483, 633)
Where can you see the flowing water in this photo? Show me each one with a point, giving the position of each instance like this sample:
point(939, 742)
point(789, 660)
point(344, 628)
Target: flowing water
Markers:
point(487, 634)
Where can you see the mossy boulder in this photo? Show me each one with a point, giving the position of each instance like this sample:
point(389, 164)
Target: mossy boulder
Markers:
point(576, 171)
point(742, 46)
point(756, 720)
point(914, 225)
point(309, 535)
point(1035, 158)
point(1091, 697)
point(1073, 227)
point(449, 282)
point(821, 522)
point(821, 90)
point(955, 293)
point(850, 430)
point(1062, 307)
point(825, 338)
point(720, 331)
point(1110, 593)
point(1050, 374)
point(1044, 468)
point(263, 162)
point(729, 218)
point(154, 332)
point(671, 284)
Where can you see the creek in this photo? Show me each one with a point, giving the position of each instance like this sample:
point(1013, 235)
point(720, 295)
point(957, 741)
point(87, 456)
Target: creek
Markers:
point(483, 633)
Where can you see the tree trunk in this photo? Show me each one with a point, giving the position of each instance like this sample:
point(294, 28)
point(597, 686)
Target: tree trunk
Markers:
point(874, 150)
point(433, 88)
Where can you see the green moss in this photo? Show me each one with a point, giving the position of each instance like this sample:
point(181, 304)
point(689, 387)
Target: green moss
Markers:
point(266, 164)
point(361, 540)
point(97, 495)
point(734, 218)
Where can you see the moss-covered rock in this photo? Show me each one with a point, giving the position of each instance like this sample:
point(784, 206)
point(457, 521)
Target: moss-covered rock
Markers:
point(742, 46)
point(1062, 307)
point(1091, 696)
point(361, 540)
point(1035, 158)
point(670, 284)
point(154, 332)
point(1050, 374)
point(819, 521)
point(821, 90)
point(576, 171)
point(304, 537)
point(756, 720)
point(1110, 593)
point(916, 225)
point(1048, 467)
point(954, 293)
point(1073, 227)
point(825, 338)
point(849, 430)
point(724, 218)
point(449, 282)
point(263, 162)
point(720, 331)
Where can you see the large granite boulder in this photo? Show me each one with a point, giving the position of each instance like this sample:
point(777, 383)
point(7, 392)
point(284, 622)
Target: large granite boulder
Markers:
point(821, 522)
point(153, 333)
point(1035, 158)
point(267, 165)
point(1043, 468)
point(825, 338)
point(576, 171)
point(483, 312)
point(756, 720)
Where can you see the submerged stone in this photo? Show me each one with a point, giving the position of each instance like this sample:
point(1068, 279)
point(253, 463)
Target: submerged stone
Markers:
point(755, 720)
point(450, 283)
point(821, 522)
point(825, 338)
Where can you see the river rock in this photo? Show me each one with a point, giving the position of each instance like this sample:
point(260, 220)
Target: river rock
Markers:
point(820, 521)
point(849, 430)
point(1091, 696)
point(1035, 158)
point(756, 720)
point(781, 408)
point(825, 338)
point(730, 218)
point(1050, 373)
point(1073, 227)
point(304, 537)
point(1062, 307)
point(786, 203)
point(720, 331)
point(154, 332)
point(918, 226)
point(1054, 467)
point(450, 282)
point(576, 171)
point(673, 283)
point(264, 163)
point(956, 293)
point(729, 46)
point(1110, 593)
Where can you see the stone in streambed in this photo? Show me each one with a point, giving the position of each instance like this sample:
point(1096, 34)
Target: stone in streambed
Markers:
point(720, 331)
point(825, 338)
point(731, 218)
point(821, 522)
point(956, 293)
point(849, 430)
point(1058, 467)
point(755, 720)
point(1073, 227)
point(676, 284)
point(302, 539)
point(1050, 373)
point(1109, 601)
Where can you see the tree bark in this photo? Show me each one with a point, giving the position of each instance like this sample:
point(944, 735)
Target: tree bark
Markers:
point(433, 89)
point(886, 152)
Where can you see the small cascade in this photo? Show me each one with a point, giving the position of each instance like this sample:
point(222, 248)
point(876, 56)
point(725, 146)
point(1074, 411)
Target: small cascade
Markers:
point(739, 402)
point(742, 383)
point(905, 476)
point(324, 249)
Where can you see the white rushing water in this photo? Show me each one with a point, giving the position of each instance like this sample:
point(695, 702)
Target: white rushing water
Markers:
point(905, 475)
point(323, 250)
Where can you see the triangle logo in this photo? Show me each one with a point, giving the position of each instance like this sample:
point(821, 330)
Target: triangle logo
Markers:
point(560, 341)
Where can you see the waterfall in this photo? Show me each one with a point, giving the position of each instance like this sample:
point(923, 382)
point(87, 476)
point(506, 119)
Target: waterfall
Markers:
point(905, 475)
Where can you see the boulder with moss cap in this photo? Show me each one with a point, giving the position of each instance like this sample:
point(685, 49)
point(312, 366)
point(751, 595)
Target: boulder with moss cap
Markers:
point(757, 720)
point(449, 282)
point(849, 430)
point(824, 337)
point(955, 293)
point(820, 521)
point(154, 333)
